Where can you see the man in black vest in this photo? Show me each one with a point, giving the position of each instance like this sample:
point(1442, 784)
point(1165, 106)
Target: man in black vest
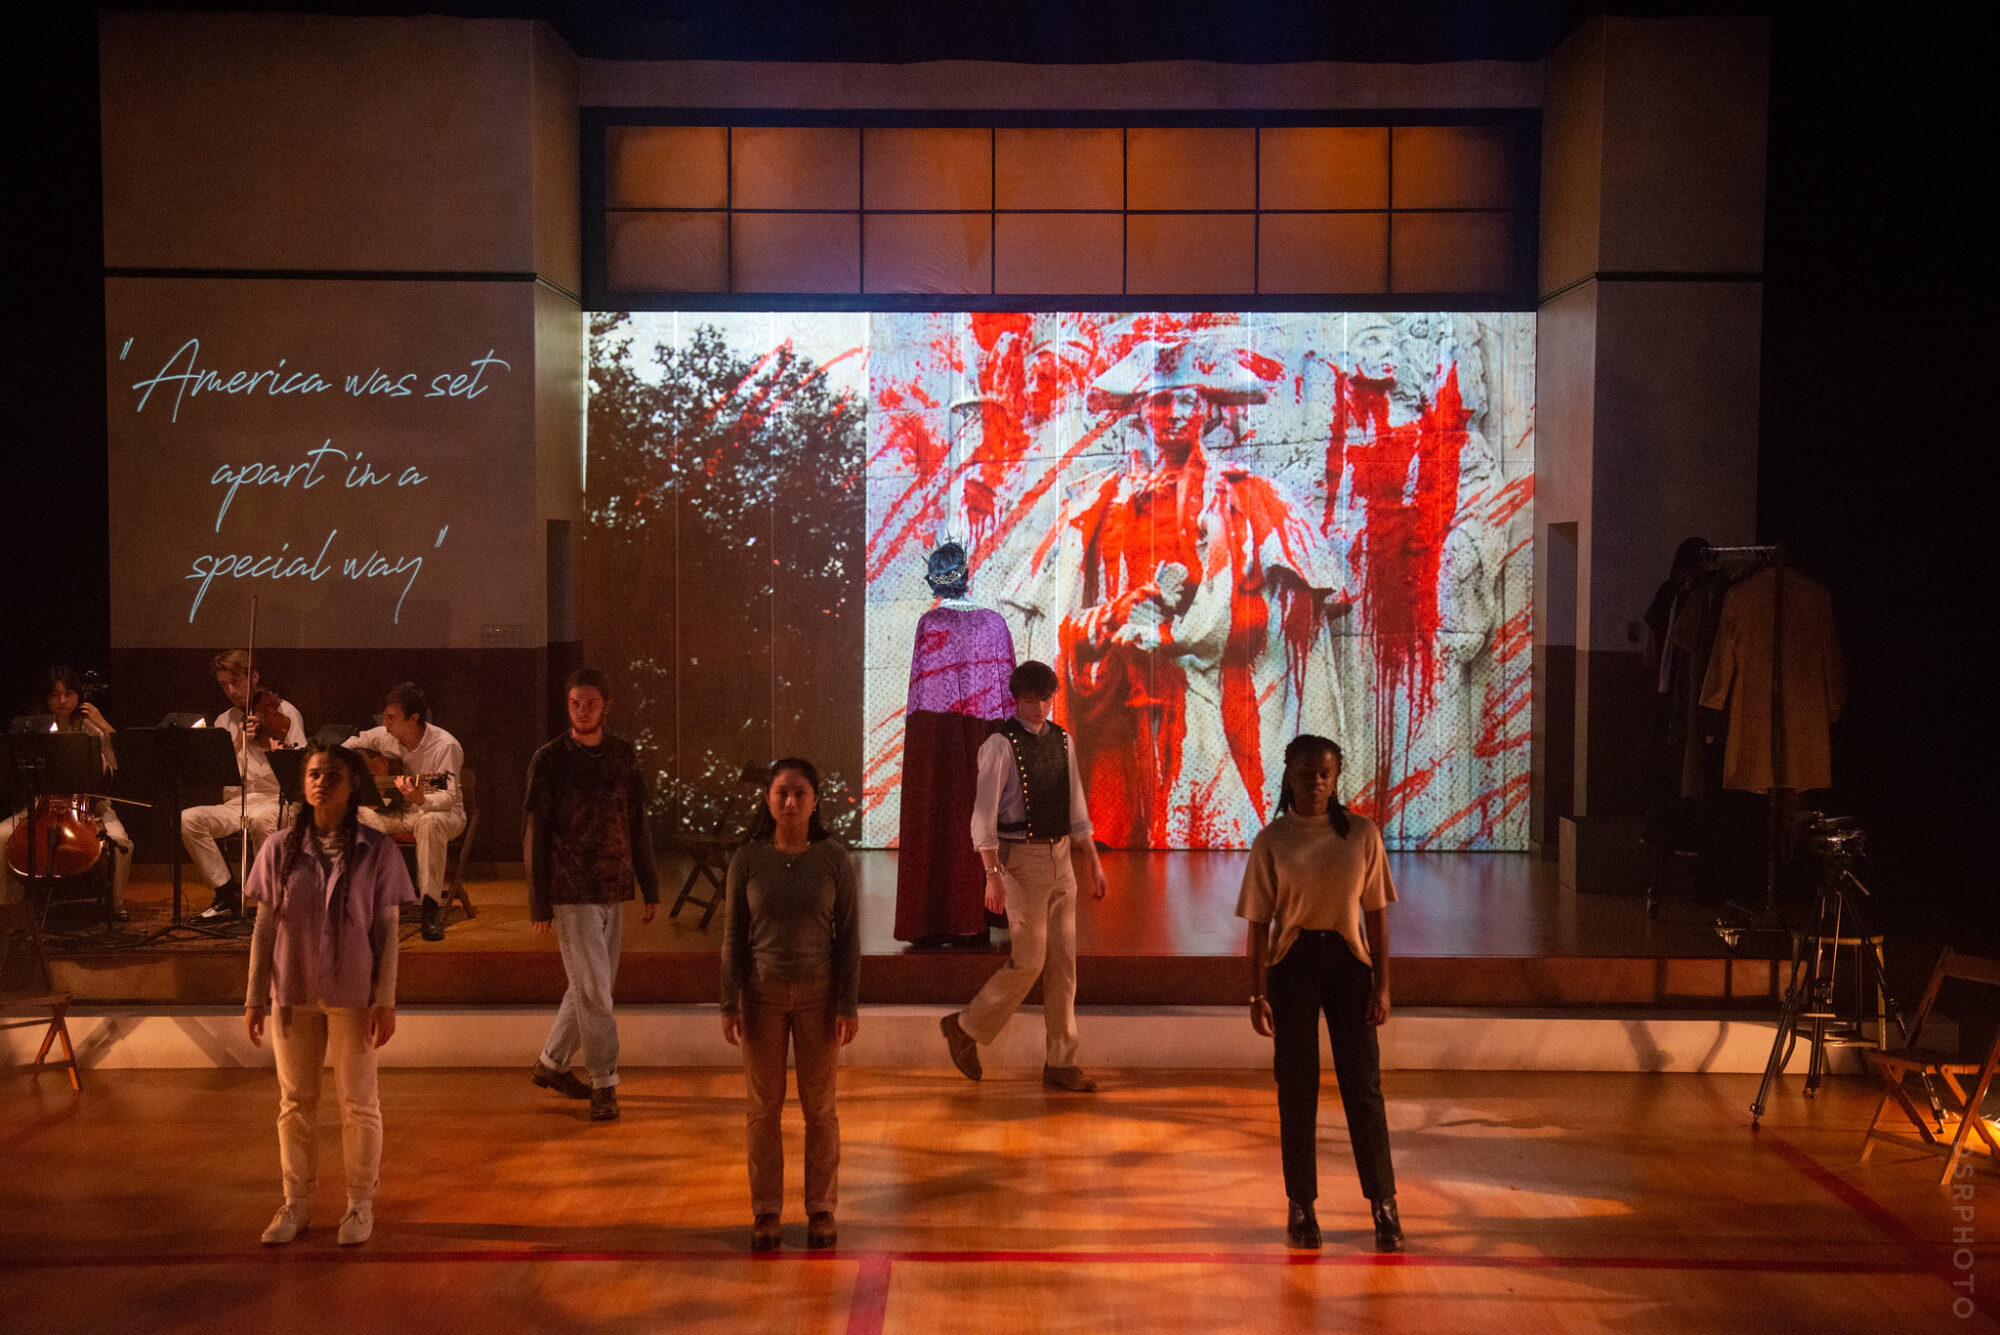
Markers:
point(1028, 807)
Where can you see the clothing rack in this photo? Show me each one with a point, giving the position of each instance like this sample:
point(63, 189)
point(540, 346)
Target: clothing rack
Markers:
point(1748, 561)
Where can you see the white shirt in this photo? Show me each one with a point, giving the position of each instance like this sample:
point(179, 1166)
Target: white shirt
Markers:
point(436, 752)
point(252, 762)
point(998, 797)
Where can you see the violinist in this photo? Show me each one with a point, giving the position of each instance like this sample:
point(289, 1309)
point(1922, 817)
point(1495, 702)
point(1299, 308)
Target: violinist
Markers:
point(431, 807)
point(60, 695)
point(258, 723)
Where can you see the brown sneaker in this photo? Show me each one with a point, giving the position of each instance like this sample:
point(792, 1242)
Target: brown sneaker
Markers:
point(1069, 1078)
point(820, 1232)
point(604, 1104)
point(764, 1233)
point(964, 1052)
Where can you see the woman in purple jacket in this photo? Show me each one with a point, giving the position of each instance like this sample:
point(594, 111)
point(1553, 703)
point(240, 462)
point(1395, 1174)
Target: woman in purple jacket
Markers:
point(328, 896)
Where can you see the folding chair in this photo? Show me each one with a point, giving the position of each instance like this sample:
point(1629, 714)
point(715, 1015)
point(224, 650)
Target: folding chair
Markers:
point(1935, 1067)
point(33, 1001)
point(710, 853)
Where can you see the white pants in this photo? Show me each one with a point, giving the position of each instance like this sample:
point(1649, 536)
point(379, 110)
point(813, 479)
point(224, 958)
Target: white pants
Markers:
point(302, 1046)
point(202, 826)
point(590, 936)
point(434, 831)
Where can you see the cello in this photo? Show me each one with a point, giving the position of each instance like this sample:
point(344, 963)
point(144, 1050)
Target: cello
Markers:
point(60, 836)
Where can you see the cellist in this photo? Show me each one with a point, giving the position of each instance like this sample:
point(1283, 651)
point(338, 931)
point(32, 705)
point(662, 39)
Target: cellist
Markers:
point(60, 695)
point(253, 719)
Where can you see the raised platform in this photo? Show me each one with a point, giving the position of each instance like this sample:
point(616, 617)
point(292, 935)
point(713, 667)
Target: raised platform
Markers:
point(906, 1037)
point(1471, 930)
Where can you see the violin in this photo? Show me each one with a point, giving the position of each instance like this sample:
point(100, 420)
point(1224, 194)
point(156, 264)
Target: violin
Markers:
point(274, 725)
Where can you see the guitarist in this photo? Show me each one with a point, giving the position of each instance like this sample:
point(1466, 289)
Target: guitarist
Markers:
point(426, 802)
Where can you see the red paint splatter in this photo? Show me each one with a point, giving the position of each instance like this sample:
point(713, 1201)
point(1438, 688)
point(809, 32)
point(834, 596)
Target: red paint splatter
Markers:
point(1404, 476)
point(1511, 500)
point(1505, 705)
point(1382, 803)
point(1492, 808)
point(1264, 368)
point(1513, 635)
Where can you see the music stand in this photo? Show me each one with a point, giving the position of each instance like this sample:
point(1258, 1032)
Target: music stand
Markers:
point(40, 762)
point(289, 767)
point(170, 759)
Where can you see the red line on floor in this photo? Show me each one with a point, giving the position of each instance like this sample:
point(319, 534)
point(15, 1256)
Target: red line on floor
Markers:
point(869, 1308)
point(1929, 1258)
point(870, 1261)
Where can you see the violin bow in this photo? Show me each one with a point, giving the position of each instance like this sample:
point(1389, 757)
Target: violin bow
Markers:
point(243, 793)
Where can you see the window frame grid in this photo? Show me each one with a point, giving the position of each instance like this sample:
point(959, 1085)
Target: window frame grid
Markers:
point(1523, 181)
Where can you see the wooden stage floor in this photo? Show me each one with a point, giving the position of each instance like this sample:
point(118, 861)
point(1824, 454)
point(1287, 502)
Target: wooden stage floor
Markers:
point(1470, 929)
point(1532, 1202)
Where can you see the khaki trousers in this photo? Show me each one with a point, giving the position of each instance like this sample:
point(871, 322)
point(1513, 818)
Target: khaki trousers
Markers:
point(302, 1038)
point(800, 1013)
point(1041, 920)
point(433, 830)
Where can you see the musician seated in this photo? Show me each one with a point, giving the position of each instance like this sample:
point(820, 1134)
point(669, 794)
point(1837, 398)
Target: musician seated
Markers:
point(252, 808)
point(60, 695)
point(425, 801)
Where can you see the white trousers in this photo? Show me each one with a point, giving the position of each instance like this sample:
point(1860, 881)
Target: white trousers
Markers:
point(433, 830)
point(302, 1046)
point(202, 826)
point(590, 936)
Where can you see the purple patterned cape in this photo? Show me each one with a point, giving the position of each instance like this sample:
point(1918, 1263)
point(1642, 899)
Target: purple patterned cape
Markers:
point(960, 665)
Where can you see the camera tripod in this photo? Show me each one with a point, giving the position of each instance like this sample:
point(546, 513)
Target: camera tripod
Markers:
point(1831, 922)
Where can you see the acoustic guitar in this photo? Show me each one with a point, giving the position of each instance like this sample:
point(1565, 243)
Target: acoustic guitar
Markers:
point(386, 769)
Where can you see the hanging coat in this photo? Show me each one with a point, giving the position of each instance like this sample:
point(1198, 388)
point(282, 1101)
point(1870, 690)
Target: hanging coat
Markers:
point(1799, 753)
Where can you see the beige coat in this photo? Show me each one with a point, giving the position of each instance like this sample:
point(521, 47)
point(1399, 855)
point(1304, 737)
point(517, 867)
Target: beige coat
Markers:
point(1739, 680)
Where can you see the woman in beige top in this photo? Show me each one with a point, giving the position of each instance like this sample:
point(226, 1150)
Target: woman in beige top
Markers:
point(1314, 894)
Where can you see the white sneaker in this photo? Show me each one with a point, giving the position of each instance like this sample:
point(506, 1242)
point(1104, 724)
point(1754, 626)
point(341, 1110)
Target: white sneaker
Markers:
point(290, 1221)
point(359, 1225)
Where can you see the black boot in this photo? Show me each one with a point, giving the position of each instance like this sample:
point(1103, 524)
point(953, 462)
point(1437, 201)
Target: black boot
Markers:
point(433, 921)
point(226, 907)
point(1388, 1227)
point(1302, 1227)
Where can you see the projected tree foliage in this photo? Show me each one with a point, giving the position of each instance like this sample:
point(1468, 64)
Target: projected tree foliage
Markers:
point(723, 505)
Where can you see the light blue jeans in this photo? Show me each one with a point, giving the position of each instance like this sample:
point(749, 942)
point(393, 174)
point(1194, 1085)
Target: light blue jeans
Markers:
point(589, 936)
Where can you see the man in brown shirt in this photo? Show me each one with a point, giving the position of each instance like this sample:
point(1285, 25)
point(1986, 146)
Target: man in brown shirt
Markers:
point(587, 844)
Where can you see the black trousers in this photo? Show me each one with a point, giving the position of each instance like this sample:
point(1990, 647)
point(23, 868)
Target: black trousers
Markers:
point(1320, 973)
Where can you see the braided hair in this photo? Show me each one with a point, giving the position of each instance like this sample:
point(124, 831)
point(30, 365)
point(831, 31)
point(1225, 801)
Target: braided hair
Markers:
point(1308, 746)
point(359, 780)
point(764, 825)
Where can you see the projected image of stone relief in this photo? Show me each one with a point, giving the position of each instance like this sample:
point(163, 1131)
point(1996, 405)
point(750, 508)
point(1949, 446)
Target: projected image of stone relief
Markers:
point(1221, 529)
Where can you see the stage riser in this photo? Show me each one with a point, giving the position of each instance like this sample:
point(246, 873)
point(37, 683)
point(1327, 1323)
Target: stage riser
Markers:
point(897, 1037)
point(530, 978)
